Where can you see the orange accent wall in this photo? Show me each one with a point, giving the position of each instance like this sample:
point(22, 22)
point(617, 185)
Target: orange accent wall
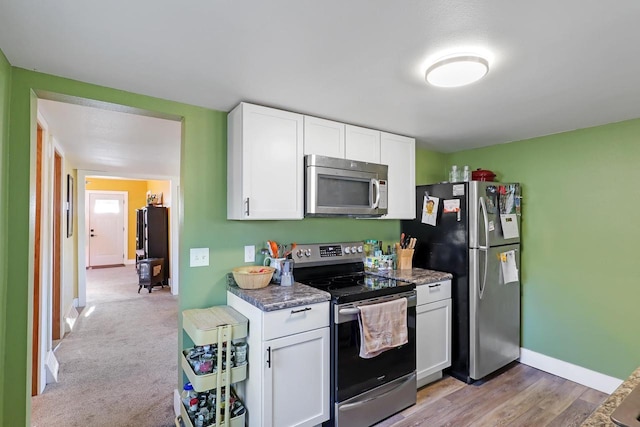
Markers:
point(137, 190)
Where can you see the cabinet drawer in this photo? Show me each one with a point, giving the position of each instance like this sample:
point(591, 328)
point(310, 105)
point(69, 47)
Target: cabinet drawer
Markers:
point(433, 292)
point(294, 320)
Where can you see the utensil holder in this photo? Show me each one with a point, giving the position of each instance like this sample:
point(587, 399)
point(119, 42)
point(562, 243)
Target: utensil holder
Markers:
point(405, 259)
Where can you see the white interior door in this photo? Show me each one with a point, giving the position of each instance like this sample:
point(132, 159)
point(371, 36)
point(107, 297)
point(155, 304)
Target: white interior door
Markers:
point(106, 229)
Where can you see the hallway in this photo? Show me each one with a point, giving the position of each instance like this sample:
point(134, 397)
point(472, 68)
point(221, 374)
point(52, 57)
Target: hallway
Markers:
point(118, 367)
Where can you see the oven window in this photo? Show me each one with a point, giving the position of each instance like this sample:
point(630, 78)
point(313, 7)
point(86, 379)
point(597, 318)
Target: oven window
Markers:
point(340, 191)
point(355, 375)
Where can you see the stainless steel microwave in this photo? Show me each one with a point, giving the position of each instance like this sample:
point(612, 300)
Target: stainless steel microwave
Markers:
point(341, 187)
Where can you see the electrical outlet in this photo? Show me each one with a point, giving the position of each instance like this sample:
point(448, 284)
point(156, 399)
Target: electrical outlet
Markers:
point(250, 253)
point(198, 257)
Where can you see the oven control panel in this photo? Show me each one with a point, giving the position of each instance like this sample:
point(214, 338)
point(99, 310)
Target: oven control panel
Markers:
point(328, 253)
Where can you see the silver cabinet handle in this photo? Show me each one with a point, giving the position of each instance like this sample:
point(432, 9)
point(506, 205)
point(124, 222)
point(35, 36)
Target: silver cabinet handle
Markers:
point(301, 310)
point(247, 202)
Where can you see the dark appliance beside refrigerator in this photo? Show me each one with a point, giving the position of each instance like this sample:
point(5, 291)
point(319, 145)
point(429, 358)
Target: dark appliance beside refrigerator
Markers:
point(364, 391)
point(474, 234)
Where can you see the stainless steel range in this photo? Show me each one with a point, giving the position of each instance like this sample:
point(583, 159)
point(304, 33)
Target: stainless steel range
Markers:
point(363, 391)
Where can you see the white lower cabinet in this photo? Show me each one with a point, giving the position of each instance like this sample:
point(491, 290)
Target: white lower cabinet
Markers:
point(288, 379)
point(295, 388)
point(433, 331)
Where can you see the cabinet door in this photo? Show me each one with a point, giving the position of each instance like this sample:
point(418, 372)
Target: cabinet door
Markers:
point(265, 164)
point(399, 153)
point(362, 144)
point(296, 379)
point(323, 137)
point(433, 338)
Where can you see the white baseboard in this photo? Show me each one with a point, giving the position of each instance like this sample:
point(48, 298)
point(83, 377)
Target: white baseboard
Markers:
point(129, 261)
point(70, 318)
point(569, 371)
point(177, 401)
point(52, 367)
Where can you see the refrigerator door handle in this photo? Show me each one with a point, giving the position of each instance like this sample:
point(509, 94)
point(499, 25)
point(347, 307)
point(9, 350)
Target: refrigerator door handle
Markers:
point(483, 207)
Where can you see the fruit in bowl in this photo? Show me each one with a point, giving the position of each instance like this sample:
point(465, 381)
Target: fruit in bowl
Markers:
point(252, 276)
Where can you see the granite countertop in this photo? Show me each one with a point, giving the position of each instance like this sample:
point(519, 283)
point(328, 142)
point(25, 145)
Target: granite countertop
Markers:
point(418, 276)
point(601, 417)
point(276, 297)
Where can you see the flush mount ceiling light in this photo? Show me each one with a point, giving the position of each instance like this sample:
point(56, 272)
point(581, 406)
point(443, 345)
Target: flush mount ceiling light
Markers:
point(457, 70)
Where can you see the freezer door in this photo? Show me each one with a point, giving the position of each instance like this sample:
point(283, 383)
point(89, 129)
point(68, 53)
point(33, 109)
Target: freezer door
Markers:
point(494, 312)
point(488, 201)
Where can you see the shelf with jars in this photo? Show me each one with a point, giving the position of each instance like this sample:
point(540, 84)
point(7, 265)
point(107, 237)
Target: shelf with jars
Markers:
point(217, 360)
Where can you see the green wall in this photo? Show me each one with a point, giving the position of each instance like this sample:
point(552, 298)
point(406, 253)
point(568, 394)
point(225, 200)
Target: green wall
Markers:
point(5, 86)
point(580, 236)
point(203, 217)
point(430, 166)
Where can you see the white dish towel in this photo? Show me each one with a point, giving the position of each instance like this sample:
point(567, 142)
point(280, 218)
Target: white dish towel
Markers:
point(383, 326)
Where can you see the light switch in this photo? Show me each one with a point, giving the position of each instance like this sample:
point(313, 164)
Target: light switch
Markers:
point(198, 257)
point(250, 253)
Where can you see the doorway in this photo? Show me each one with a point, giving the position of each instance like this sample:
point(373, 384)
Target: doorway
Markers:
point(107, 228)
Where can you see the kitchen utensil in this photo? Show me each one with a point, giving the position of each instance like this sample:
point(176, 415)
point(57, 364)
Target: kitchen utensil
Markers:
point(287, 253)
point(482, 175)
point(276, 263)
point(286, 279)
point(252, 276)
point(274, 248)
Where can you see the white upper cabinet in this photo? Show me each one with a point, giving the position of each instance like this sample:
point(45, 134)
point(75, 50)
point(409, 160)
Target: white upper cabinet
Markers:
point(323, 137)
point(399, 153)
point(362, 144)
point(264, 163)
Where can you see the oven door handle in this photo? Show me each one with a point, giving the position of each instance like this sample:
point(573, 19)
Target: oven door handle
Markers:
point(353, 405)
point(348, 311)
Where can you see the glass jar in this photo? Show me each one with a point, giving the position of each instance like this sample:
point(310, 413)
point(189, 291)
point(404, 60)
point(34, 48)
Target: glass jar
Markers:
point(370, 247)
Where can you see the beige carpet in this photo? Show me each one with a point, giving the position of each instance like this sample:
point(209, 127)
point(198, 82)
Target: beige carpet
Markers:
point(119, 365)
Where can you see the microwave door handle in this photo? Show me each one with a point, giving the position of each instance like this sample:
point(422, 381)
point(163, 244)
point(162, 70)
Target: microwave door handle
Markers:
point(376, 185)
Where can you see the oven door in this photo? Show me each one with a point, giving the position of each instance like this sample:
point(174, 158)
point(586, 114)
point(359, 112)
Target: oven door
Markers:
point(331, 191)
point(354, 375)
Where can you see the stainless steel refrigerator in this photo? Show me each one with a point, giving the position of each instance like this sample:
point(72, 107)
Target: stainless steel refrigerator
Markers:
point(472, 230)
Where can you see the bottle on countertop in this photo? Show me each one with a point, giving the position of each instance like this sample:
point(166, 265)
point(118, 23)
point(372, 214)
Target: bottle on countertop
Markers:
point(466, 174)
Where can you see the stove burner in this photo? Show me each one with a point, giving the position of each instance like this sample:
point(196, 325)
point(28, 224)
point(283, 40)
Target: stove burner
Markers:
point(347, 280)
point(320, 283)
point(346, 290)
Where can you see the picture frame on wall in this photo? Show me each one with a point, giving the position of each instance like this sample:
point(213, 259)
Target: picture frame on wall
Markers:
point(69, 205)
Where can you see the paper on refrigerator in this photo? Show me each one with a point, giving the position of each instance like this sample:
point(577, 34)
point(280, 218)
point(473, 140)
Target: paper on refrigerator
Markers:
point(509, 267)
point(509, 226)
point(430, 210)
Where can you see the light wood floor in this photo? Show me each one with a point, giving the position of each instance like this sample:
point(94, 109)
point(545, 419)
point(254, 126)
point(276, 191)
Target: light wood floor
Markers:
point(520, 396)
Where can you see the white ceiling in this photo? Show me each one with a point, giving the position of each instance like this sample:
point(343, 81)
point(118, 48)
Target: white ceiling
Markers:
point(102, 140)
point(555, 65)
